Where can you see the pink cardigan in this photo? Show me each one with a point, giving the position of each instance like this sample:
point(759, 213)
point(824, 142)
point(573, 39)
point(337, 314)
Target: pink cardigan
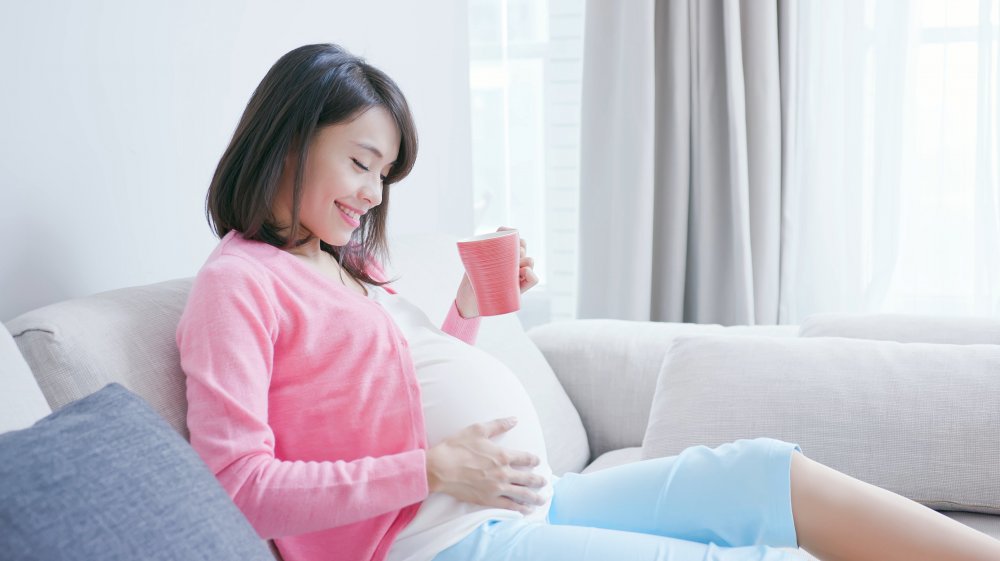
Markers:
point(302, 399)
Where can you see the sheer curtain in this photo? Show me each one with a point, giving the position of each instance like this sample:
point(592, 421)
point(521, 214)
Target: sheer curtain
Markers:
point(884, 115)
point(891, 159)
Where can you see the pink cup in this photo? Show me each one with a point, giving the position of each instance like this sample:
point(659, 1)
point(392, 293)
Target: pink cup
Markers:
point(491, 261)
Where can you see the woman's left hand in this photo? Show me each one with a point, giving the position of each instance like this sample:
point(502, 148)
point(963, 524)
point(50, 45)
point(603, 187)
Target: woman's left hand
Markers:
point(466, 299)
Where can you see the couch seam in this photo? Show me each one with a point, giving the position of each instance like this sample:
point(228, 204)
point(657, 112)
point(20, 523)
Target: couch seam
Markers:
point(30, 329)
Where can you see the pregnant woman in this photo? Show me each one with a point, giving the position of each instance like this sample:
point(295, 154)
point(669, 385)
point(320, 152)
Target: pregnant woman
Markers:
point(346, 426)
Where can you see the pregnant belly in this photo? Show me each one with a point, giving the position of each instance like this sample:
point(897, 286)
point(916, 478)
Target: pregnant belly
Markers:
point(470, 386)
point(461, 385)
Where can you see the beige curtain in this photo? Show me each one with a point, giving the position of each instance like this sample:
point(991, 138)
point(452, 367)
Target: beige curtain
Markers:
point(681, 160)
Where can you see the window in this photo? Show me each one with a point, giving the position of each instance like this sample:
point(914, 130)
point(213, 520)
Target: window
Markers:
point(897, 187)
point(948, 215)
point(526, 61)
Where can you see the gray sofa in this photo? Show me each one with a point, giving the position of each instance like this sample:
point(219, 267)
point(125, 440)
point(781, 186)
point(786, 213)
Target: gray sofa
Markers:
point(907, 403)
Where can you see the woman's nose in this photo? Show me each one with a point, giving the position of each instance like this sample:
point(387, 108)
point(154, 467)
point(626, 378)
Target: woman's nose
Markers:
point(372, 191)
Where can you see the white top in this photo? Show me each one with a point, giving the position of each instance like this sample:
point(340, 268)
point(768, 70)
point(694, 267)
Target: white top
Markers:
point(459, 385)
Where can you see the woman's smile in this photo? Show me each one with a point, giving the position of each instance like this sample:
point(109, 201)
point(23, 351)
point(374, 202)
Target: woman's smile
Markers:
point(349, 215)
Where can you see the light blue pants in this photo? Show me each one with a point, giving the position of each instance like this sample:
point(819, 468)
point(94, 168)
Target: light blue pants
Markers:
point(731, 503)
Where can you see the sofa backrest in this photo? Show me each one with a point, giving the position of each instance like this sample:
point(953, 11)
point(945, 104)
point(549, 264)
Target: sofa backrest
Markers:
point(905, 328)
point(21, 400)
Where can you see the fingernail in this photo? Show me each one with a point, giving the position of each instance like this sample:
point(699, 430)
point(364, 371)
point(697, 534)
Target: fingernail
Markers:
point(511, 421)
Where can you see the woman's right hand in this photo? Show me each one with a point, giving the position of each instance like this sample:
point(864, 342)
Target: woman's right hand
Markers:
point(472, 468)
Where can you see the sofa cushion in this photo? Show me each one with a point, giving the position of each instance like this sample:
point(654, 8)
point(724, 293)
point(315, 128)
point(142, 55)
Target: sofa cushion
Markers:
point(78, 346)
point(918, 419)
point(988, 524)
point(904, 328)
point(609, 369)
point(21, 401)
point(615, 458)
point(106, 478)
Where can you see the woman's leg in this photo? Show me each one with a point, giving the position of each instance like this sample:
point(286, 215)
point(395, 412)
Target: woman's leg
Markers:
point(839, 518)
point(737, 494)
point(518, 540)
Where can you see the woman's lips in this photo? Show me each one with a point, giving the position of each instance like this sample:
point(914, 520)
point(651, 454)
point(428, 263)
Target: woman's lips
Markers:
point(350, 221)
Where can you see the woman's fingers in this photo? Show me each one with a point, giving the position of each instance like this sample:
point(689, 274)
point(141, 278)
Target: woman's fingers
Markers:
point(472, 468)
point(523, 496)
point(526, 479)
point(517, 458)
point(528, 278)
point(493, 428)
point(513, 458)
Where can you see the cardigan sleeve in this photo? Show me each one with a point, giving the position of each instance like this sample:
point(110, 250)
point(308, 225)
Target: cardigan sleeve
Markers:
point(226, 340)
point(465, 329)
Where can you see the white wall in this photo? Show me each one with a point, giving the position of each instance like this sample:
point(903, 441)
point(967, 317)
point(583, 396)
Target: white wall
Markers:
point(113, 116)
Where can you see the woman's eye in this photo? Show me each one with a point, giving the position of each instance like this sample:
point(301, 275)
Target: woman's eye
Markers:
point(359, 164)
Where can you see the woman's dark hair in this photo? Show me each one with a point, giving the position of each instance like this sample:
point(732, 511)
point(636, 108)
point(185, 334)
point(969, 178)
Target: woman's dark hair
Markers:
point(309, 88)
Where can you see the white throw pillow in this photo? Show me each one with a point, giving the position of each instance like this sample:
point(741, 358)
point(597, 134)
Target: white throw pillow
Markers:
point(21, 400)
point(904, 328)
point(565, 438)
point(922, 420)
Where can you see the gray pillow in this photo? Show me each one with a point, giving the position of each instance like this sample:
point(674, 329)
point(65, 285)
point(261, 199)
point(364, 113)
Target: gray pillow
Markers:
point(921, 420)
point(106, 478)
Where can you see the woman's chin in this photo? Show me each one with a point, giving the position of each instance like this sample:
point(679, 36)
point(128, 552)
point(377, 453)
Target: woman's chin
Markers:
point(336, 238)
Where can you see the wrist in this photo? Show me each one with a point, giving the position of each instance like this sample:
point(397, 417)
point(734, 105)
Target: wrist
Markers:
point(433, 481)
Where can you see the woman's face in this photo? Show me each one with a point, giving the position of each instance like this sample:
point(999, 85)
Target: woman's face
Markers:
point(343, 175)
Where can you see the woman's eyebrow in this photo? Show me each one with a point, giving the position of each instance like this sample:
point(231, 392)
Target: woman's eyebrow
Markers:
point(371, 149)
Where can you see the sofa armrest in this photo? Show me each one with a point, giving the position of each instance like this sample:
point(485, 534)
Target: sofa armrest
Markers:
point(609, 370)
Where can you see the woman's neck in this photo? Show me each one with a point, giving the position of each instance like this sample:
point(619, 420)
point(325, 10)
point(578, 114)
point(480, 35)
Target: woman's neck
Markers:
point(310, 251)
